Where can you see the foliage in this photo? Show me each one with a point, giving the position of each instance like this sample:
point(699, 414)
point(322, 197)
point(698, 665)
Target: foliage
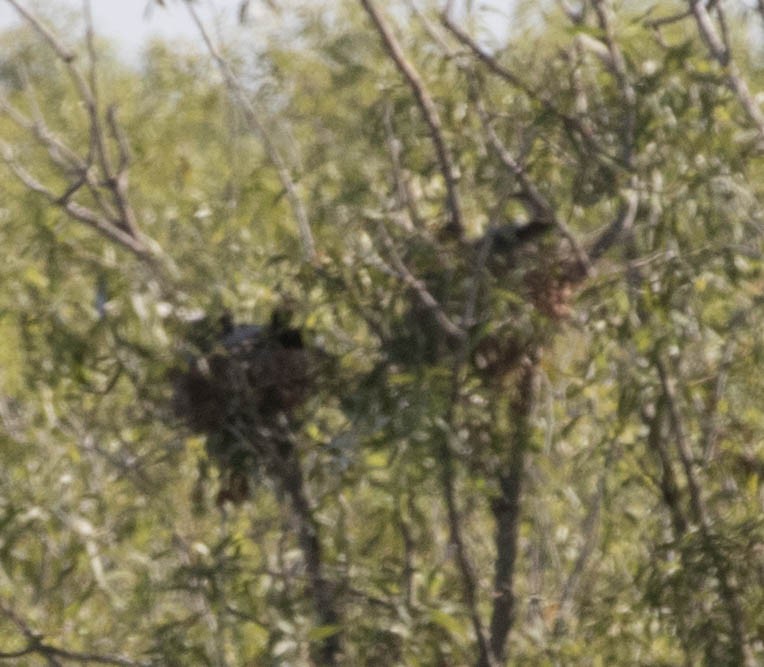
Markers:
point(530, 264)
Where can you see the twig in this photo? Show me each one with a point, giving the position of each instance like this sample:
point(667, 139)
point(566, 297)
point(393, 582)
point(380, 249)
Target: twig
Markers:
point(628, 93)
point(668, 20)
point(36, 645)
point(403, 191)
point(115, 220)
point(434, 33)
point(570, 122)
point(429, 112)
point(544, 211)
point(252, 116)
point(419, 287)
point(720, 51)
point(77, 211)
point(576, 16)
point(740, 650)
point(622, 222)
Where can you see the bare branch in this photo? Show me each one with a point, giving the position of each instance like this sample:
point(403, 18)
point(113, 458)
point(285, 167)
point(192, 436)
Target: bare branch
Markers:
point(429, 112)
point(92, 99)
point(403, 191)
point(420, 289)
point(686, 456)
point(720, 51)
point(668, 20)
point(622, 222)
point(430, 28)
point(618, 67)
point(75, 210)
point(708, 33)
point(115, 218)
point(575, 15)
point(36, 645)
point(63, 156)
point(252, 116)
point(61, 51)
point(484, 57)
point(544, 211)
point(573, 124)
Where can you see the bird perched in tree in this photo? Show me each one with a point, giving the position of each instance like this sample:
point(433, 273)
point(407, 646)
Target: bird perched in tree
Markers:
point(505, 239)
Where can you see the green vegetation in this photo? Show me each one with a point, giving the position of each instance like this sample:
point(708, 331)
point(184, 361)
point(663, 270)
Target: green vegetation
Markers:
point(526, 267)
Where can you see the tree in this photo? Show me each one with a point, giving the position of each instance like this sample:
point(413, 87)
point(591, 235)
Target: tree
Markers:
point(527, 268)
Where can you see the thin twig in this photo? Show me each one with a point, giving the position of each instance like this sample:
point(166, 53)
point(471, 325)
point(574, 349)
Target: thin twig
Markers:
point(576, 16)
point(668, 20)
point(77, 211)
point(116, 220)
point(623, 221)
point(252, 116)
point(628, 93)
point(36, 646)
point(403, 191)
point(572, 123)
point(545, 212)
point(419, 287)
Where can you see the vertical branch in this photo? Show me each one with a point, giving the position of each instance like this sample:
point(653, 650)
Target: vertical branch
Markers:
point(287, 469)
point(404, 196)
point(654, 418)
point(728, 590)
point(506, 512)
point(686, 456)
point(466, 569)
point(589, 531)
point(429, 112)
point(628, 94)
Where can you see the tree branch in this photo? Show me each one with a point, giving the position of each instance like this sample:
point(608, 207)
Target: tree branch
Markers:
point(429, 112)
point(252, 117)
point(621, 223)
point(420, 289)
point(506, 512)
point(116, 220)
point(36, 645)
point(720, 51)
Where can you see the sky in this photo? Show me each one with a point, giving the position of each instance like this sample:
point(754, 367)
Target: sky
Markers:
point(129, 25)
point(124, 21)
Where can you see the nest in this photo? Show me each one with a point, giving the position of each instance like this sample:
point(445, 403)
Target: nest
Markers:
point(240, 391)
